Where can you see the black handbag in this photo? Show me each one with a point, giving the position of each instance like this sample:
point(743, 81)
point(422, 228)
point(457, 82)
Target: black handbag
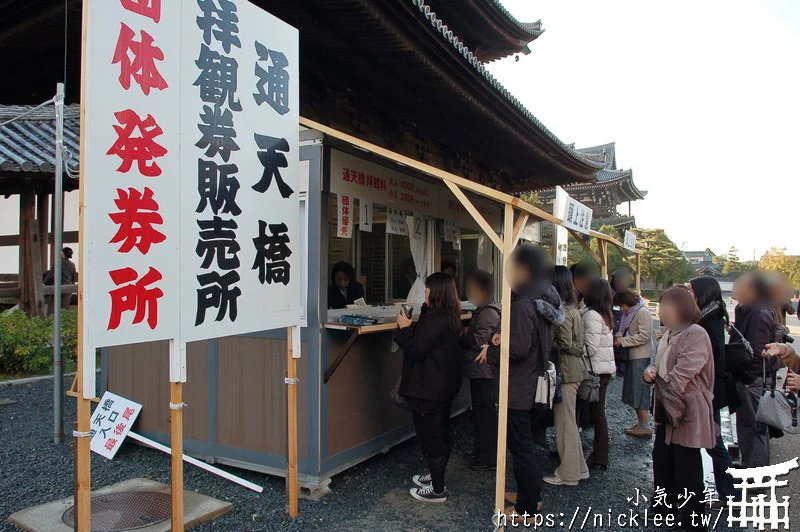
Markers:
point(589, 389)
point(739, 357)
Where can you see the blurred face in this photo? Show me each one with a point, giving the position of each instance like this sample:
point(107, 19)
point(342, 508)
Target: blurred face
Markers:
point(476, 295)
point(517, 274)
point(669, 315)
point(581, 284)
point(622, 283)
point(742, 291)
point(427, 295)
point(341, 280)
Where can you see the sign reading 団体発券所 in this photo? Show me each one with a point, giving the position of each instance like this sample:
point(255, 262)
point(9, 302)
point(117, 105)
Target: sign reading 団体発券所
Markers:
point(111, 421)
point(630, 240)
point(190, 209)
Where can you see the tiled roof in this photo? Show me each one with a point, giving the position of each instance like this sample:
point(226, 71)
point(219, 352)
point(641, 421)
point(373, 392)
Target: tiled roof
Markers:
point(473, 60)
point(28, 144)
point(534, 29)
point(605, 153)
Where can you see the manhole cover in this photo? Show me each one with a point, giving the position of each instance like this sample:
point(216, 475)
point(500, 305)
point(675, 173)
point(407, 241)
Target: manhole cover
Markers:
point(127, 510)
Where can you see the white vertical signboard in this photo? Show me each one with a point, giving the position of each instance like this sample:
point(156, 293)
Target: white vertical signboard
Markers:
point(577, 216)
point(630, 240)
point(239, 171)
point(344, 217)
point(130, 177)
point(560, 233)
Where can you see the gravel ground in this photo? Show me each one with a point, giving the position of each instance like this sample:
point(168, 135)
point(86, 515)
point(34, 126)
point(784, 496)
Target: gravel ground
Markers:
point(371, 496)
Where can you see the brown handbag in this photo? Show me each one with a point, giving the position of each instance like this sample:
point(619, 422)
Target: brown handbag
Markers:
point(673, 403)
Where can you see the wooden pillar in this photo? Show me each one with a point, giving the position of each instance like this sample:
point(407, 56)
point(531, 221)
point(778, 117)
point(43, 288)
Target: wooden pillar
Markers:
point(42, 221)
point(638, 273)
point(603, 248)
point(176, 440)
point(505, 337)
point(27, 213)
point(291, 419)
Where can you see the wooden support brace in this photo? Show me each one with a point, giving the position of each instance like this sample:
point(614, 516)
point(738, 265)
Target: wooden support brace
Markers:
point(584, 245)
point(603, 247)
point(622, 254)
point(176, 443)
point(487, 228)
point(522, 221)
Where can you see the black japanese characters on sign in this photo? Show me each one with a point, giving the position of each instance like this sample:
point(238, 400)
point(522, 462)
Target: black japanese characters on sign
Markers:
point(217, 184)
point(272, 88)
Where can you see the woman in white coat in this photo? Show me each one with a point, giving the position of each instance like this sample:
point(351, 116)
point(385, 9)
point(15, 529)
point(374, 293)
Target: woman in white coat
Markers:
point(598, 326)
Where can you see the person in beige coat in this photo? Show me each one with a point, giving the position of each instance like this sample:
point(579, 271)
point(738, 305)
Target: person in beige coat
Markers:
point(636, 336)
point(683, 370)
point(598, 338)
point(572, 468)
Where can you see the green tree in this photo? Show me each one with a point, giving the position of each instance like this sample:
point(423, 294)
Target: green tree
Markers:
point(732, 266)
point(794, 276)
point(776, 260)
point(662, 261)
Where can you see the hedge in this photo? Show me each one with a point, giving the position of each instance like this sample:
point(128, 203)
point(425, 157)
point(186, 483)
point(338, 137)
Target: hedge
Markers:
point(26, 344)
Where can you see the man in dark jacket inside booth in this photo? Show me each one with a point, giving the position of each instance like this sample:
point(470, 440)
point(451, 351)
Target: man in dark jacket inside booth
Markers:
point(536, 314)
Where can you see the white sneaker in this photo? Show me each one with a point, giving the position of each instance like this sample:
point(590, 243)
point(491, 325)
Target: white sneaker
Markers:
point(422, 480)
point(427, 494)
point(555, 480)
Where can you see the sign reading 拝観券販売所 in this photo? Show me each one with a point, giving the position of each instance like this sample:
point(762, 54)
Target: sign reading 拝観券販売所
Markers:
point(190, 172)
point(239, 126)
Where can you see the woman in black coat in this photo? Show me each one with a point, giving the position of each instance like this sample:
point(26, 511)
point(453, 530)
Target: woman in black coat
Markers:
point(714, 319)
point(432, 377)
point(344, 289)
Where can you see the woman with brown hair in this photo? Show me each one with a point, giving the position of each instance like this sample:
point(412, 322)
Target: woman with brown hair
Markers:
point(431, 378)
point(683, 374)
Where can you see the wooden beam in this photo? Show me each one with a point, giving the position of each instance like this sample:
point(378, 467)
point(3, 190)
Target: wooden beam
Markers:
point(505, 338)
point(584, 245)
point(622, 254)
point(69, 237)
point(522, 220)
point(176, 442)
point(473, 211)
point(432, 171)
point(65, 289)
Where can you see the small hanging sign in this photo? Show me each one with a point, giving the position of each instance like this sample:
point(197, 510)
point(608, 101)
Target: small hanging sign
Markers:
point(449, 231)
point(111, 422)
point(630, 240)
point(396, 223)
point(577, 216)
point(344, 225)
point(365, 215)
point(417, 226)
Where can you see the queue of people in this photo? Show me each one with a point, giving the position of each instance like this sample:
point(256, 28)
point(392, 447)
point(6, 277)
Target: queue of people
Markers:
point(678, 374)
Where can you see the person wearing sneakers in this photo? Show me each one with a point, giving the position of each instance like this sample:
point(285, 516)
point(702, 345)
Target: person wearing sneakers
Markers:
point(636, 335)
point(431, 378)
point(573, 466)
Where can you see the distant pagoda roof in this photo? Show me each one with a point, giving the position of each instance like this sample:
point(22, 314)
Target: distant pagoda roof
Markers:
point(487, 27)
point(609, 176)
point(619, 222)
point(605, 153)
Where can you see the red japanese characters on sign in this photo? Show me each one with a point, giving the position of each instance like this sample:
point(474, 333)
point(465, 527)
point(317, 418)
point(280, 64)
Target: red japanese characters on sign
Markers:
point(132, 172)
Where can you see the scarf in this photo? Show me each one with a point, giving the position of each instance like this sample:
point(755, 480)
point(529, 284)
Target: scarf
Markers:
point(708, 309)
point(627, 318)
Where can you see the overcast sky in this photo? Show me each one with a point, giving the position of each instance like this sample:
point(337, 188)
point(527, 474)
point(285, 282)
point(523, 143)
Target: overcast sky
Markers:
point(701, 98)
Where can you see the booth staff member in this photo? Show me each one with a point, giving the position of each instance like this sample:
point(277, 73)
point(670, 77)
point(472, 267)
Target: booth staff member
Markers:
point(344, 289)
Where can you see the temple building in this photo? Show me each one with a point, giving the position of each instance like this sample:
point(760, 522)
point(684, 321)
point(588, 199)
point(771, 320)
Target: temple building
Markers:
point(611, 188)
